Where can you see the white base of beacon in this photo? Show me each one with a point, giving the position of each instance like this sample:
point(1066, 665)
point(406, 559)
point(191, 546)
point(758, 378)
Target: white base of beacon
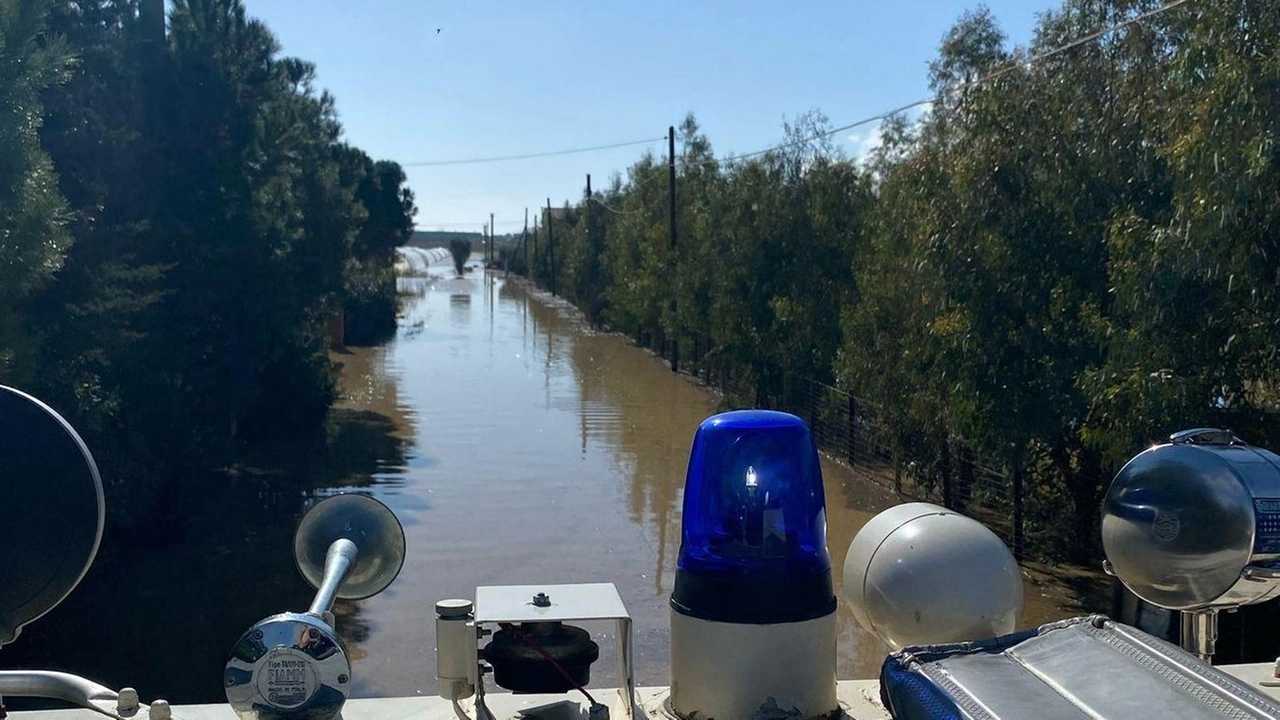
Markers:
point(729, 671)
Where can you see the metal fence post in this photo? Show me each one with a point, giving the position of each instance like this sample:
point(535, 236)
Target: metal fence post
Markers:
point(852, 449)
point(897, 469)
point(1017, 511)
point(814, 403)
point(944, 469)
point(964, 488)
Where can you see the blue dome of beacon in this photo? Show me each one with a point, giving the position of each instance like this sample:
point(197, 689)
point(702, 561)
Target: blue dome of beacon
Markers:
point(754, 541)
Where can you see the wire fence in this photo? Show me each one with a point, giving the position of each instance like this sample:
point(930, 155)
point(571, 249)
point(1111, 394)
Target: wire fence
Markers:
point(1027, 507)
point(1039, 508)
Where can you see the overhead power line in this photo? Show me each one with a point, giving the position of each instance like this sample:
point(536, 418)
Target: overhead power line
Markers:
point(877, 117)
point(529, 156)
point(977, 82)
point(436, 223)
point(615, 210)
point(659, 170)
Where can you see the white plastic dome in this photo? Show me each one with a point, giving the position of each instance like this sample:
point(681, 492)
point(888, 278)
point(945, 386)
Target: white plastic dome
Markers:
point(919, 574)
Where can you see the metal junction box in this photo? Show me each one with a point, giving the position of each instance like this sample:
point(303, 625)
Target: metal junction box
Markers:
point(564, 603)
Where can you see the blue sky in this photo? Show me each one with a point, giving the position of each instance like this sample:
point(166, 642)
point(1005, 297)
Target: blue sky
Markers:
point(525, 76)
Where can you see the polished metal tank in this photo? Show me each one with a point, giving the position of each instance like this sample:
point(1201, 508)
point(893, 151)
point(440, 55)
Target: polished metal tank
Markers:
point(1195, 523)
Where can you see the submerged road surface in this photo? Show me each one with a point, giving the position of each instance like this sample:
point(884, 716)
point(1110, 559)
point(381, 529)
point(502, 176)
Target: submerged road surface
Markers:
point(516, 446)
point(544, 452)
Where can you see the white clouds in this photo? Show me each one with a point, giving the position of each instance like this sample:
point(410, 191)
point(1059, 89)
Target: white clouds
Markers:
point(868, 138)
point(865, 140)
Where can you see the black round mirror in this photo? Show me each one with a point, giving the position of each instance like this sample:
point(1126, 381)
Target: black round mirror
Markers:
point(369, 524)
point(52, 510)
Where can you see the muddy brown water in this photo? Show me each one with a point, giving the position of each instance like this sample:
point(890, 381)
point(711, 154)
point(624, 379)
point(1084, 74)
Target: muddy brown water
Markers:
point(516, 445)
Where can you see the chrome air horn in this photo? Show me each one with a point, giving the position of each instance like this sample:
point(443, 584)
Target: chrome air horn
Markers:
point(292, 664)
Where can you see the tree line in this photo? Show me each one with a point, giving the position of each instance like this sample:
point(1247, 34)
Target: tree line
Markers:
point(1052, 269)
point(180, 221)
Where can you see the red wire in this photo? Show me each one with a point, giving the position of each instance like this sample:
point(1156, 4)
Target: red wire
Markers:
point(528, 639)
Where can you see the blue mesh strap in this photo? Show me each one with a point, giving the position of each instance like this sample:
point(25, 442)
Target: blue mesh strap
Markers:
point(911, 696)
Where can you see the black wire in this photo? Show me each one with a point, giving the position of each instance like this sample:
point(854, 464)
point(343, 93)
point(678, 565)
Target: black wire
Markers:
point(614, 210)
point(977, 82)
point(878, 117)
point(528, 640)
point(529, 156)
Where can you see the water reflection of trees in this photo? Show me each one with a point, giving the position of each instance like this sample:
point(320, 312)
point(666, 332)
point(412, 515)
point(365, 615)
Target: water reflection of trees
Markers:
point(163, 606)
point(646, 417)
point(634, 407)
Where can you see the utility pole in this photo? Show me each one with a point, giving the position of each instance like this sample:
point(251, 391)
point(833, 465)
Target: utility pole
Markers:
point(551, 247)
point(151, 15)
point(526, 242)
point(673, 268)
point(153, 62)
point(586, 210)
point(492, 249)
point(593, 262)
point(535, 250)
point(671, 182)
point(506, 265)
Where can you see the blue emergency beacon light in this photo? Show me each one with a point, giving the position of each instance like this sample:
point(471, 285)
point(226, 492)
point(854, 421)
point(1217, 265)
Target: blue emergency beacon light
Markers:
point(753, 609)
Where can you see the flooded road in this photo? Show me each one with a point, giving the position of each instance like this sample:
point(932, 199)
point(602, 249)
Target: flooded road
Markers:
point(515, 445)
point(544, 452)
point(541, 452)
